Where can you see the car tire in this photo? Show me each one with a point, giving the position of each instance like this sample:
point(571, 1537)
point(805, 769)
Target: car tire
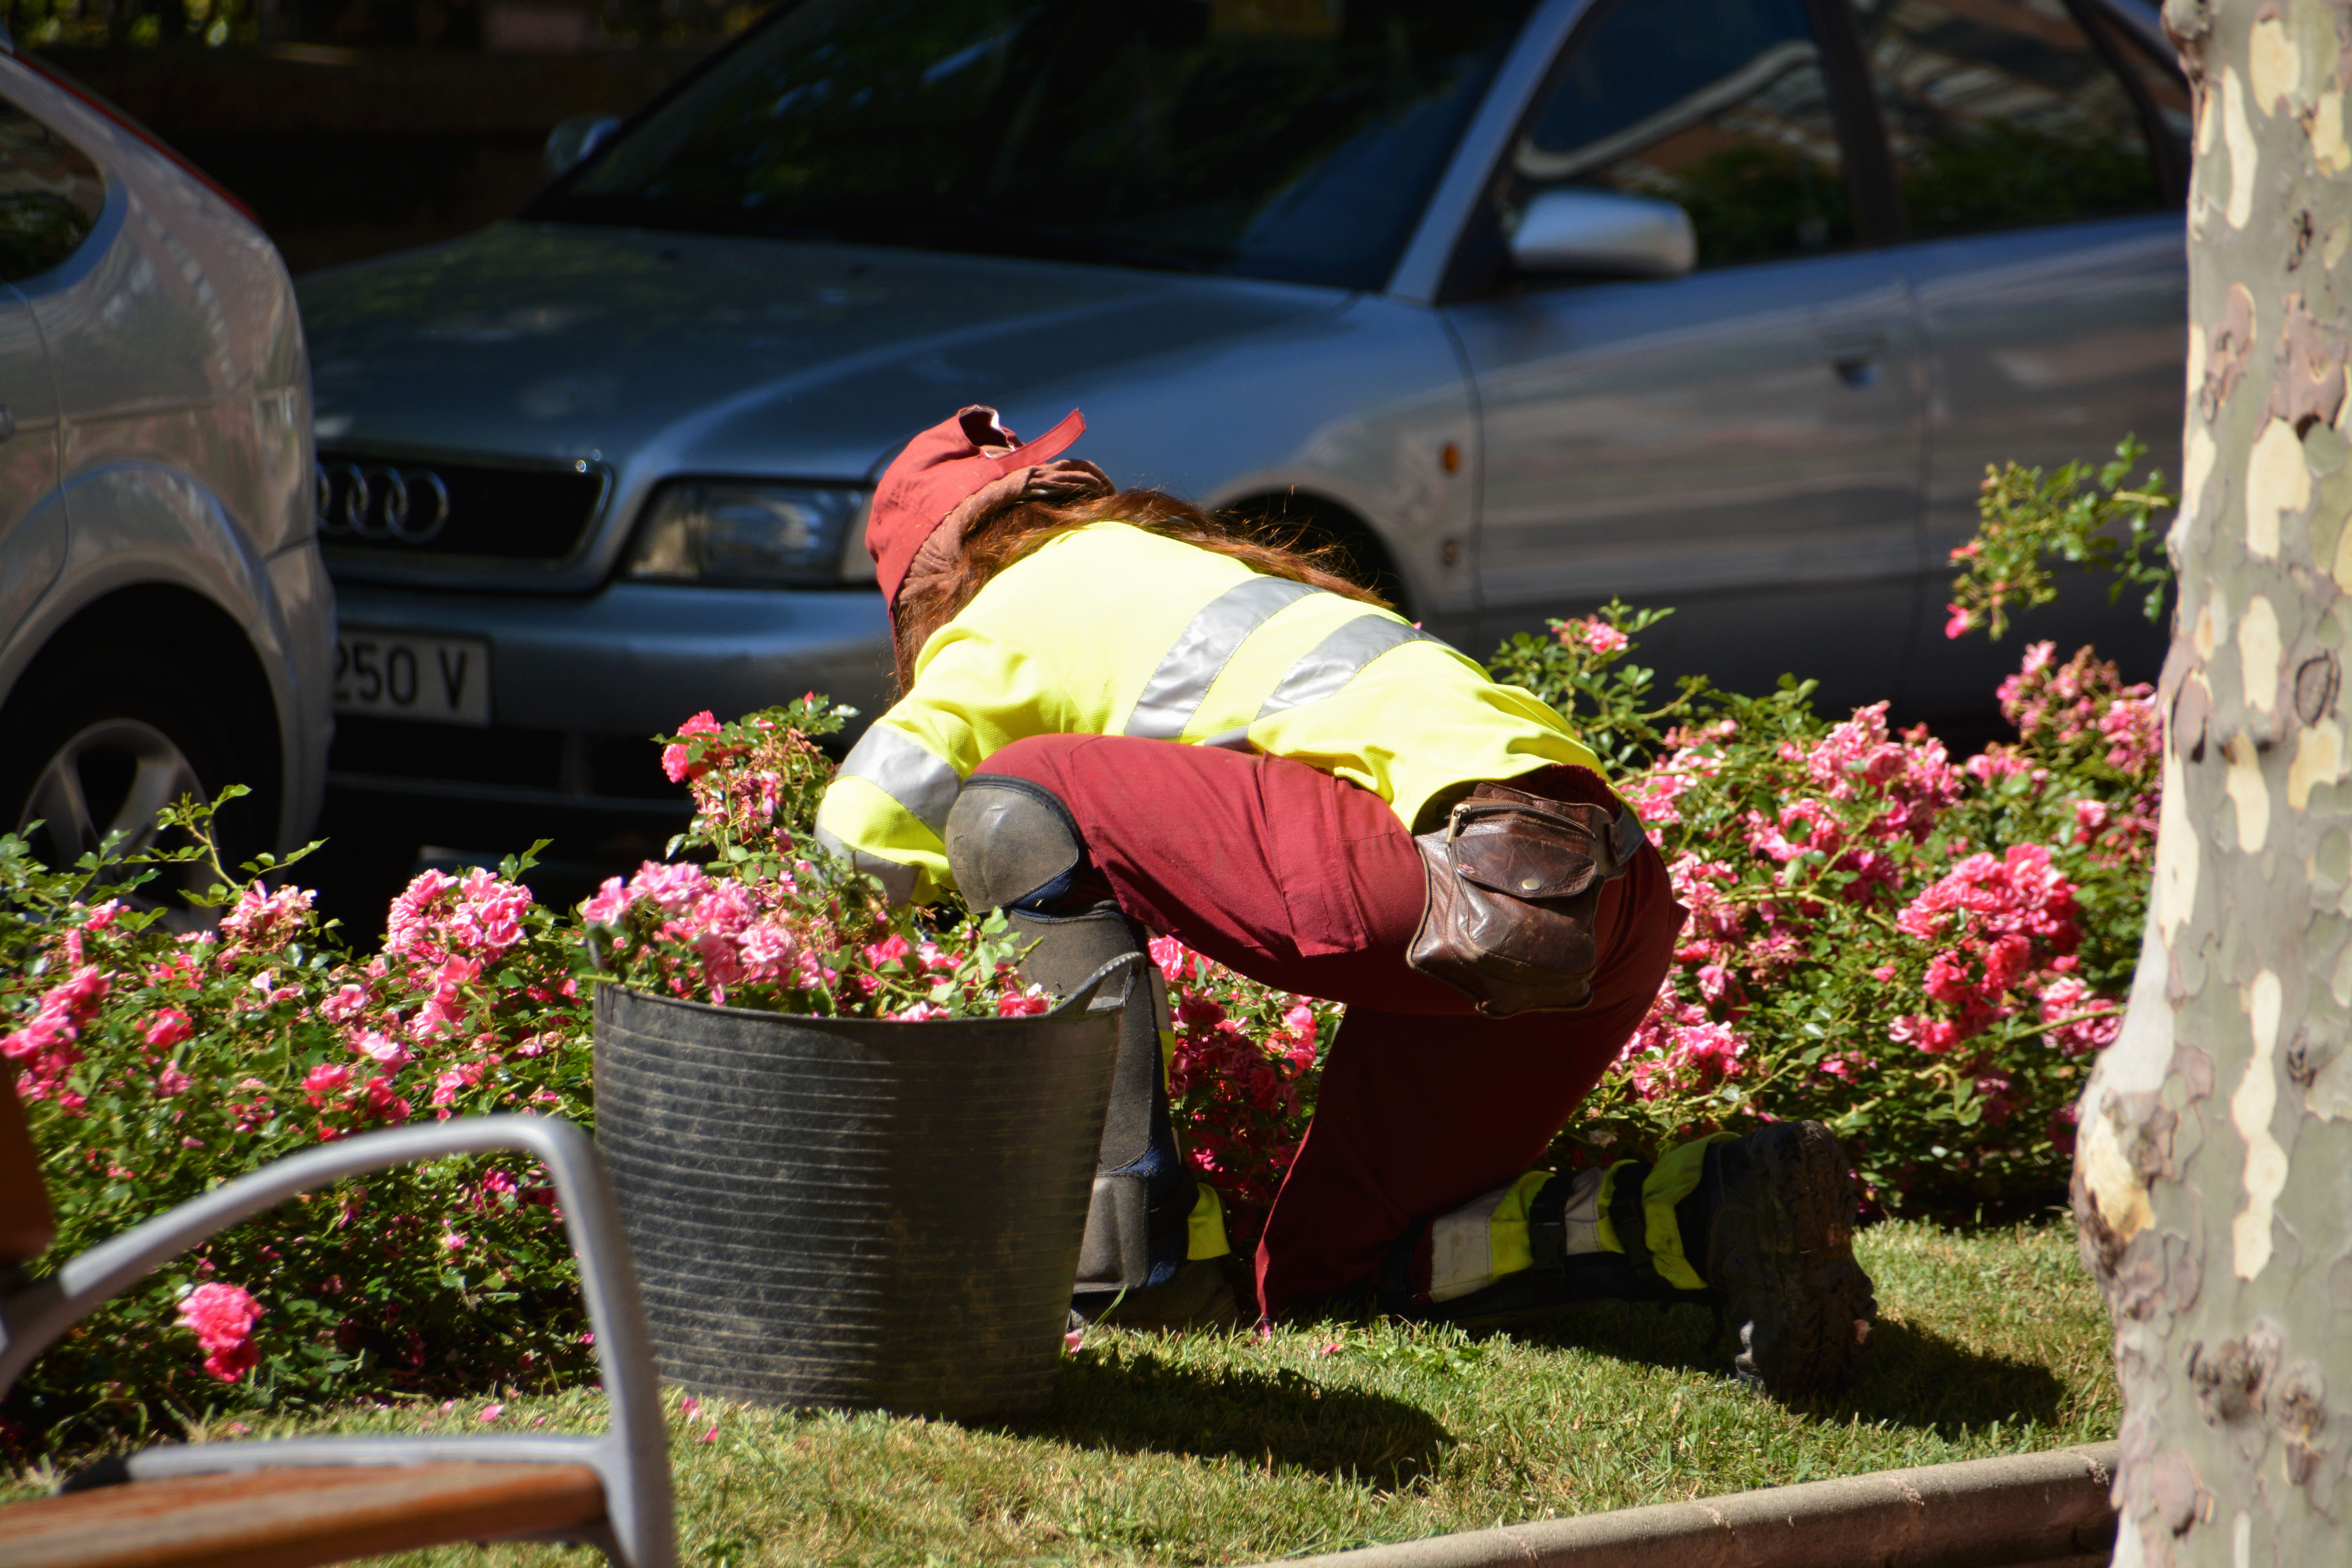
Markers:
point(102, 738)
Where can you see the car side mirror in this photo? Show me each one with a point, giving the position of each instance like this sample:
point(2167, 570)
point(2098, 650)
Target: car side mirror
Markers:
point(574, 141)
point(1575, 228)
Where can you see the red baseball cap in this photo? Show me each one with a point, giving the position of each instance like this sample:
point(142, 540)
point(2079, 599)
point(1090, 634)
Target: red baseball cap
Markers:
point(939, 472)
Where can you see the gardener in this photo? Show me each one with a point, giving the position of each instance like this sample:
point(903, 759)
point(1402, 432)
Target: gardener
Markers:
point(1121, 718)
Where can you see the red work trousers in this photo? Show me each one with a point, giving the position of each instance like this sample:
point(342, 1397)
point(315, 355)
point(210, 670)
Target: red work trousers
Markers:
point(1310, 883)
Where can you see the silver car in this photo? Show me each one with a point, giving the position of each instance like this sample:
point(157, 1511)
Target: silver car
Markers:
point(166, 624)
point(1721, 304)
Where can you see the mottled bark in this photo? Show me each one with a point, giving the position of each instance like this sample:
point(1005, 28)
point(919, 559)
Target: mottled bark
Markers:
point(2215, 1153)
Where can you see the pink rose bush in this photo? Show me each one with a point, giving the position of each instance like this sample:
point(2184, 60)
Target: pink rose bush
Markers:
point(1920, 950)
point(154, 1065)
point(1241, 1085)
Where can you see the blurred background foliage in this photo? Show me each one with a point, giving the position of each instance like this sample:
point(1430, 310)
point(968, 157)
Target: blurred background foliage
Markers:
point(351, 129)
point(520, 26)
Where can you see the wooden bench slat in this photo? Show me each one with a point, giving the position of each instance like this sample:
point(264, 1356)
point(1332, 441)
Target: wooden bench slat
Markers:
point(295, 1517)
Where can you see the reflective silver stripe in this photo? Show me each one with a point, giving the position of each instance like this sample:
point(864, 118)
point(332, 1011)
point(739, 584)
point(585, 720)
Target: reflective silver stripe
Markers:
point(897, 882)
point(1338, 660)
point(1173, 693)
point(897, 763)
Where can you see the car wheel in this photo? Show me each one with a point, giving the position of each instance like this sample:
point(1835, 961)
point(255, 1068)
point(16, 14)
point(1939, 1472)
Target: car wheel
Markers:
point(99, 745)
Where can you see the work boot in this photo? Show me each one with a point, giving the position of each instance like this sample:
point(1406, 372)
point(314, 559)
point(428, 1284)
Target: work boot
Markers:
point(1201, 1296)
point(1780, 1254)
point(1197, 1293)
point(1757, 1228)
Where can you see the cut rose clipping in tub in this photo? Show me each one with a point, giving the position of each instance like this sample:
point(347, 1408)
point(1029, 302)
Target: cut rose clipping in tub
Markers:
point(762, 917)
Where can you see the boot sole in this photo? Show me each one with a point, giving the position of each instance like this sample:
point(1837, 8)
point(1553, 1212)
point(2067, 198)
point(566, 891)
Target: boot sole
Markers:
point(1200, 1296)
point(1800, 1305)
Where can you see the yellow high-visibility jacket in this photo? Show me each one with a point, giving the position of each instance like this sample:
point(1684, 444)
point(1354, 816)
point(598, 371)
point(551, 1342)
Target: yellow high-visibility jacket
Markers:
point(1109, 630)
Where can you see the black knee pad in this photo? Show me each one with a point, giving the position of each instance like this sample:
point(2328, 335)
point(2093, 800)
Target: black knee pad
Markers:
point(1012, 844)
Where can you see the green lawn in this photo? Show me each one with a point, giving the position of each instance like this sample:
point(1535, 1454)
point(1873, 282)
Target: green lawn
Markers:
point(1205, 1449)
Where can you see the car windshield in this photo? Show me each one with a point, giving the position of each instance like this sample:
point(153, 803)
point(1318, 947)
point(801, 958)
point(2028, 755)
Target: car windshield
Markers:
point(1291, 140)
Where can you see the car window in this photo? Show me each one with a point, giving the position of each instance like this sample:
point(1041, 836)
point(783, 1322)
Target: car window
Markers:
point(50, 195)
point(2157, 76)
point(1280, 138)
point(1719, 106)
point(2003, 113)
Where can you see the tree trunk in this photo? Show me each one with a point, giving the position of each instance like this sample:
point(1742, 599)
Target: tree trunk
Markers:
point(2215, 1157)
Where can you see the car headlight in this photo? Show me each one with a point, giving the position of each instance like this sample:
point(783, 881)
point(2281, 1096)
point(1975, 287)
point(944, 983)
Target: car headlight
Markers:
point(732, 534)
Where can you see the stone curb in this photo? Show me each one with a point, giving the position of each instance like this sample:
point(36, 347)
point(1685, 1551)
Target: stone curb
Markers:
point(2034, 1509)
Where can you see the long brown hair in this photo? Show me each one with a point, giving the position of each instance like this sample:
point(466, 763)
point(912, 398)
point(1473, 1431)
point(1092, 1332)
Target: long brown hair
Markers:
point(1017, 529)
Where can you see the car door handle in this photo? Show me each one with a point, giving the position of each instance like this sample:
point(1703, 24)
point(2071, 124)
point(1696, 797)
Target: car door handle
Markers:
point(1855, 356)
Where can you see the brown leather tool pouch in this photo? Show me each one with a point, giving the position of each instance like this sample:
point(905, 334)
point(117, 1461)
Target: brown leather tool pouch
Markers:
point(1515, 880)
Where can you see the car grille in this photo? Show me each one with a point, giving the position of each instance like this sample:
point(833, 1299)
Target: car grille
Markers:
point(392, 509)
point(619, 767)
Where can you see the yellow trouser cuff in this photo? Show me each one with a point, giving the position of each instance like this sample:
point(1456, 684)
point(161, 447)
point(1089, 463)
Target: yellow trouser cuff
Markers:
point(1508, 1244)
point(1205, 1229)
point(1670, 1181)
point(1609, 1239)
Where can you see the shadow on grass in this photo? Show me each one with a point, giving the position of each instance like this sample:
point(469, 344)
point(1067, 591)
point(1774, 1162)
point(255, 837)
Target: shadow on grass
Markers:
point(1914, 1378)
point(1673, 1337)
point(1134, 1403)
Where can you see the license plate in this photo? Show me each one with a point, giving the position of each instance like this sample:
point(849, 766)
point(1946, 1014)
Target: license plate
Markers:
point(397, 675)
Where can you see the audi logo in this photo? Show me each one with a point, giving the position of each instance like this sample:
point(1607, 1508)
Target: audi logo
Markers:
point(391, 505)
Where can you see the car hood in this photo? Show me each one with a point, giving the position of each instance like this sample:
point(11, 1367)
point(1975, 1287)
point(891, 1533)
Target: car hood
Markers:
point(660, 352)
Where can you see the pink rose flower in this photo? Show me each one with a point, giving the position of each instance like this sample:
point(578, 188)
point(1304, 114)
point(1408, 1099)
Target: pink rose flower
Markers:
point(2006, 962)
point(345, 1004)
point(1947, 980)
point(223, 1317)
point(609, 903)
point(1023, 1004)
point(168, 1028)
point(382, 1050)
point(382, 1103)
point(1170, 956)
point(325, 1082)
point(455, 1082)
point(267, 920)
point(1602, 638)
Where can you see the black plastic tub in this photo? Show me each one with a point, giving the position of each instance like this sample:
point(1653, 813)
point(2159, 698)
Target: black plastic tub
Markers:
point(853, 1212)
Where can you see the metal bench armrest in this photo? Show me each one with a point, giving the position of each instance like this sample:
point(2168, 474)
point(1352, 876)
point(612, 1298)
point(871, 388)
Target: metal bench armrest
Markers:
point(632, 1457)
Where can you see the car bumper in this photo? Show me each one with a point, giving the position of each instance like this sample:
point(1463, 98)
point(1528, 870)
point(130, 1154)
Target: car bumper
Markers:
point(304, 629)
point(577, 686)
